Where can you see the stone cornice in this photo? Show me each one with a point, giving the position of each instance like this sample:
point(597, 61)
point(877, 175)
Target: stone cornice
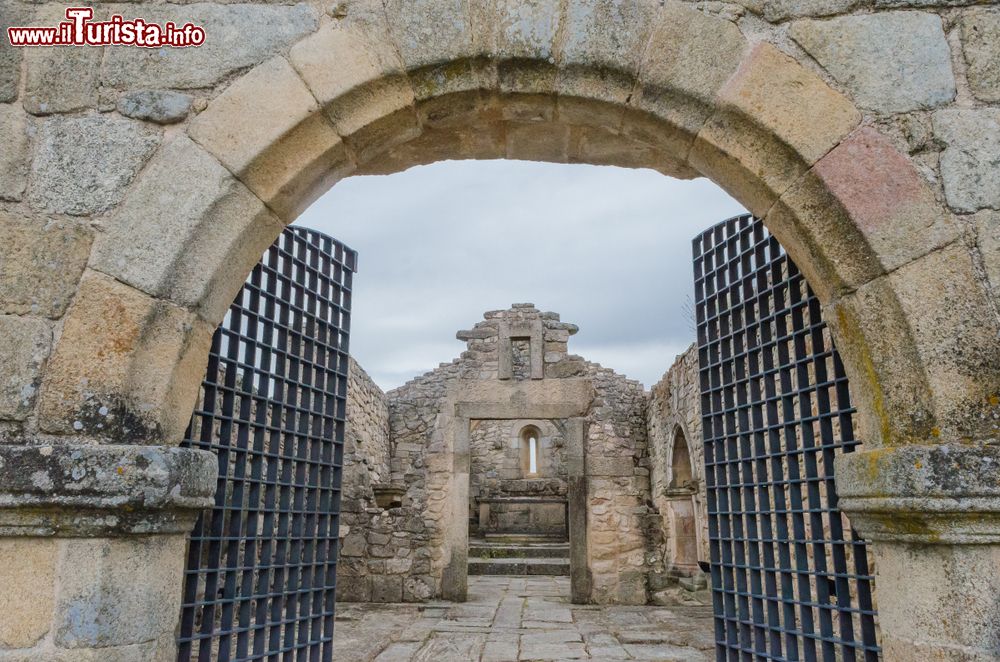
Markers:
point(105, 490)
point(943, 494)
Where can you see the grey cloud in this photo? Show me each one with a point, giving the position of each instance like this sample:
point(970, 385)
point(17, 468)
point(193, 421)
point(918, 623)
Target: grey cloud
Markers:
point(608, 248)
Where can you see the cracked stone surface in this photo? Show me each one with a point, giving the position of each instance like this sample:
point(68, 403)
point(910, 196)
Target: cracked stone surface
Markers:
point(521, 619)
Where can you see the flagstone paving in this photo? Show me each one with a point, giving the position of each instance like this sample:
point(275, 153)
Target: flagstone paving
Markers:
point(520, 619)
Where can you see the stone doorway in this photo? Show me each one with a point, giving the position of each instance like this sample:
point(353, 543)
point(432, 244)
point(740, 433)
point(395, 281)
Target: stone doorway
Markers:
point(518, 503)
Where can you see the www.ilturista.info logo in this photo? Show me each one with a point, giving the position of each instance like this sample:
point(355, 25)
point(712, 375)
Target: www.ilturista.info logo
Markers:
point(79, 30)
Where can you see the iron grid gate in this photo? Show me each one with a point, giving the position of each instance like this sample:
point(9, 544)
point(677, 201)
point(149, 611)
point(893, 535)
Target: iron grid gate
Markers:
point(790, 579)
point(261, 565)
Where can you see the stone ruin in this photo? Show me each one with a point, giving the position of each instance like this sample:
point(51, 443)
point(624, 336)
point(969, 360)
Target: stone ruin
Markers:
point(517, 439)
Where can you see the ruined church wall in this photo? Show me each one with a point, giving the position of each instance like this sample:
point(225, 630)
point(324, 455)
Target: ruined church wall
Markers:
point(675, 406)
point(423, 466)
point(383, 557)
point(367, 431)
point(400, 553)
point(620, 537)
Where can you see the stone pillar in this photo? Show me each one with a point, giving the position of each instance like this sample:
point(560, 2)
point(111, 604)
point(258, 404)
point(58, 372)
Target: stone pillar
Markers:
point(576, 511)
point(92, 548)
point(932, 514)
point(455, 579)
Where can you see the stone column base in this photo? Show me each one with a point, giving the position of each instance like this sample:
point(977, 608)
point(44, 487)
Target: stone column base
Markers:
point(92, 548)
point(933, 516)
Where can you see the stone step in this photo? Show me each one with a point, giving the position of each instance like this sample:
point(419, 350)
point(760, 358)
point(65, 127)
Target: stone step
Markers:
point(522, 538)
point(519, 566)
point(485, 550)
point(518, 551)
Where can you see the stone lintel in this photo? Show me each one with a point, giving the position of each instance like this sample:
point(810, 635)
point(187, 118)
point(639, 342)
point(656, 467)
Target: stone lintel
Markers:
point(945, 494)
point(103, 490)
point(538, 399)
point(548, 410)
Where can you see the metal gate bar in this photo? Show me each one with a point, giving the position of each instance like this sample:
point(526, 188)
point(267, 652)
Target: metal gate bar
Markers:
point(261, 566)
point(790, 579)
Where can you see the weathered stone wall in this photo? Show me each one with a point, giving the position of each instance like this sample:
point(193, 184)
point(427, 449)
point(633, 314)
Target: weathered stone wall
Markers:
point(383, 554)
point(865, 131)
point(416, 464)
point(81, 124)
point(367, 433)
point(620, 526)
point(675, 411)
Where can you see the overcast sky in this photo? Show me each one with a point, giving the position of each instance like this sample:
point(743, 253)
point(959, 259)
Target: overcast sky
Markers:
point(607, 248)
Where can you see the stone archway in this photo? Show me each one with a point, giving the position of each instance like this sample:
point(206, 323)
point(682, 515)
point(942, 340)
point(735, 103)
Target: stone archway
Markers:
point(635, 84)
point(682, 508)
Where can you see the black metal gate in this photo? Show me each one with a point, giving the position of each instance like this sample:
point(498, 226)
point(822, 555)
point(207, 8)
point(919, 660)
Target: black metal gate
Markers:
point(261, 565)
point(790, 579)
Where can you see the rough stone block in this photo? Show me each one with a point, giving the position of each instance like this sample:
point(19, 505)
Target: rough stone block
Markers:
point(434, 39)
point(11, 13)
point(370, 144)
point(386, 588)
point(778, 119)
point(970, 166)
point(42, 264)
point(14, 156)
point(599, 147)
point(417, 589)
point(889, 386)
point(353, 545)
point(83, 164)
point(253, 113)
point(887, 198)
point(430, 32)
point(239, 36)
point(511, 29)
point(159, 106)
point(956, 333)
point(775, 11)
point(602, 34)
point(988, 238)
point(61, 79)
point(360, 88)
point(980, 31)
point(352, 588)
point(22, 354)
point(538, 141)
point(27, 573)
point(891, 62)
point(610, 466)
point(434, 145)
point(688, 58)
point(198, 248)
point(116, 592)
point(263, 128)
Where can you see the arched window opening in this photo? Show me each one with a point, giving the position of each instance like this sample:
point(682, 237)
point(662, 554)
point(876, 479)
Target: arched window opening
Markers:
point(532, 455)
point(681, 474)
point(530, 443)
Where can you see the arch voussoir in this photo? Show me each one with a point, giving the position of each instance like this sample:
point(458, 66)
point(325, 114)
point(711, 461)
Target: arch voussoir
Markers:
point(775, 120)
point(126, 368)
point(267, 129)
point(188, 232)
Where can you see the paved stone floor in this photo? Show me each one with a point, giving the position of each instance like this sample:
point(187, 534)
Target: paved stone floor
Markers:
point(513, 619)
